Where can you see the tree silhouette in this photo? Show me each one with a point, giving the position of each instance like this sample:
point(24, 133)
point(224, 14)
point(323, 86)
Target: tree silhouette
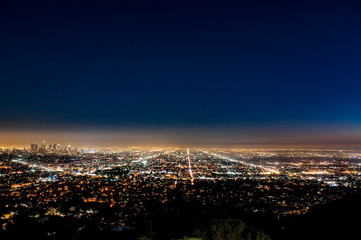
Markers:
point(229, 229)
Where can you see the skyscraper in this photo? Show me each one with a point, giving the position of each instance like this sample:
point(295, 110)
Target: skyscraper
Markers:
point(43, 145)
point(34, 147)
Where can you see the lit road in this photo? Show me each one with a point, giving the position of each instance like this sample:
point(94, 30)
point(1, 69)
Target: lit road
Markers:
point(190, 167)
point(242, 162)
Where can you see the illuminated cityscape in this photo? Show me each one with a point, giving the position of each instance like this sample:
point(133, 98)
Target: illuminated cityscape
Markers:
point(137, 185)
point(180, 120)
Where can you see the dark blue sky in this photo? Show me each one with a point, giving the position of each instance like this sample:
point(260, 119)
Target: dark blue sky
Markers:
point(178, 63)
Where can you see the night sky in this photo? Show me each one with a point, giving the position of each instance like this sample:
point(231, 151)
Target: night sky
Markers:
point(189, 69)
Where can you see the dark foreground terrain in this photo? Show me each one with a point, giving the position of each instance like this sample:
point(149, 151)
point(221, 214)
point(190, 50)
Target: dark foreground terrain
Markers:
point(336, 220)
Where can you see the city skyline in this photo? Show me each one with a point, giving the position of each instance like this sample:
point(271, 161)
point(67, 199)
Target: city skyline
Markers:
point(114, 192)
point(347, 137)
point(183, 120)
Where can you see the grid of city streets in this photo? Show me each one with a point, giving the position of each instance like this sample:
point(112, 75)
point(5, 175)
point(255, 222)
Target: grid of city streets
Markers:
point(41, 183)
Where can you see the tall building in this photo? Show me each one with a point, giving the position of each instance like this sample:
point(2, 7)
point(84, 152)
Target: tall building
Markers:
point(34, 147)
point(43, 145)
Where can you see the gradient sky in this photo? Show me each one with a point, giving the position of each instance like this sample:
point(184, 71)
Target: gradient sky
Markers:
point(199, 67)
